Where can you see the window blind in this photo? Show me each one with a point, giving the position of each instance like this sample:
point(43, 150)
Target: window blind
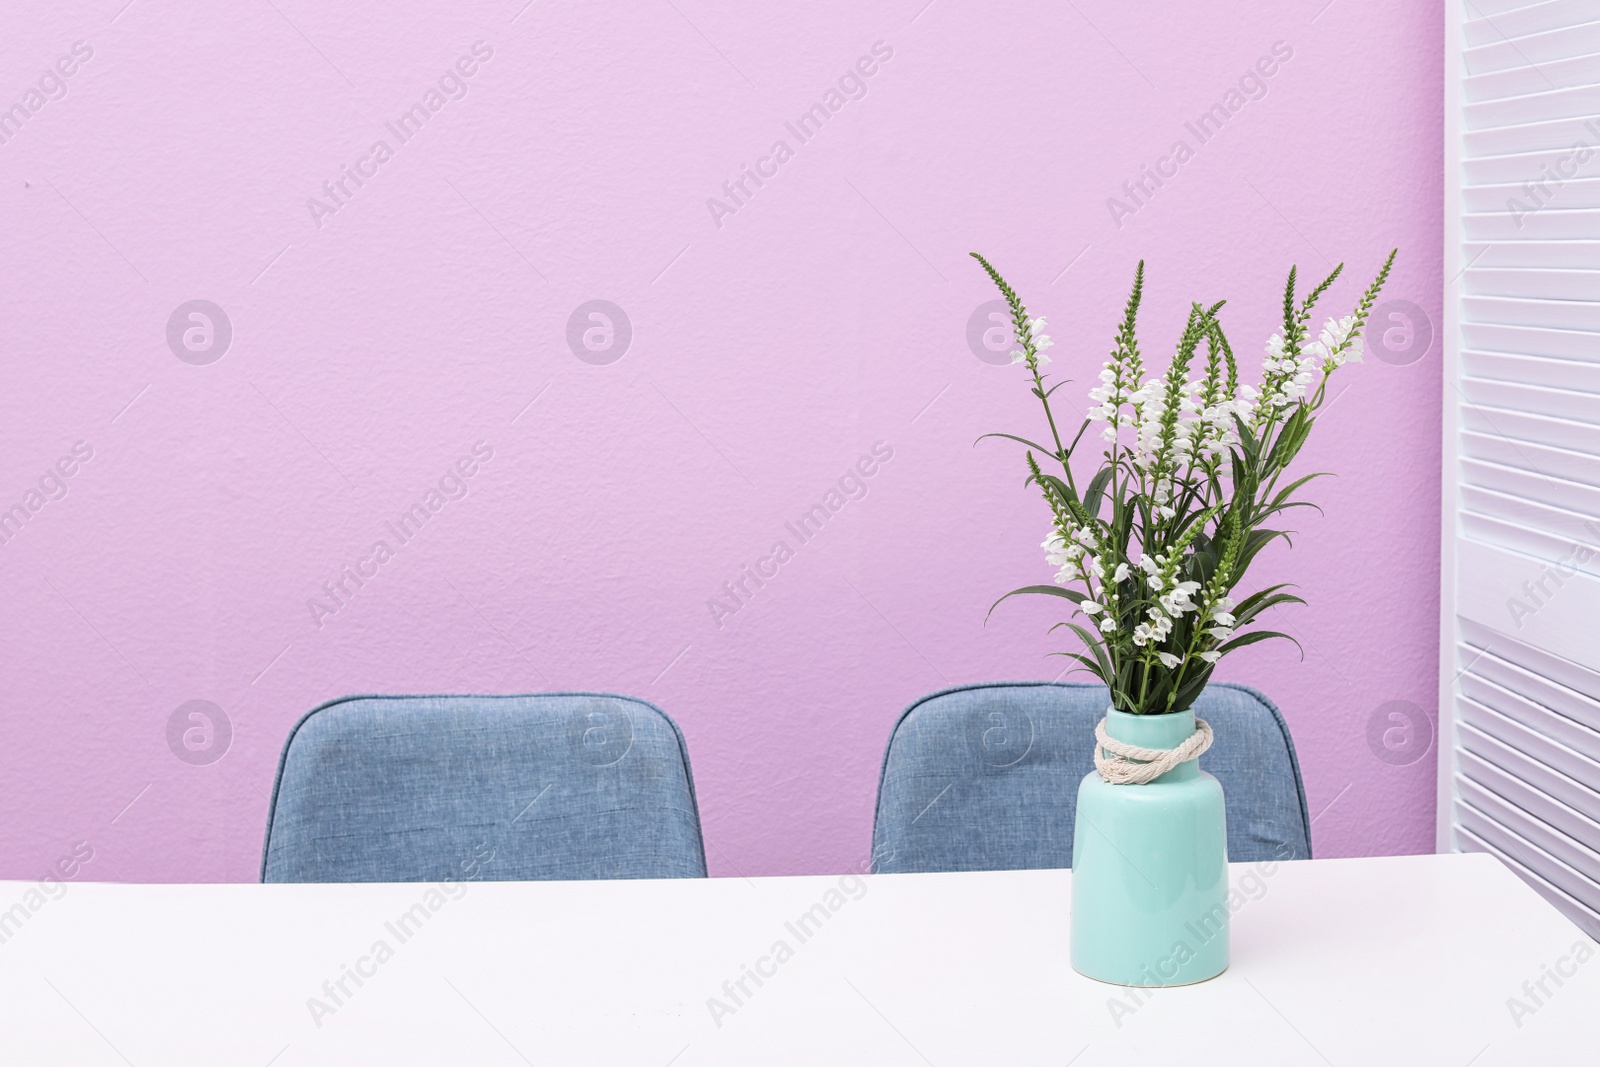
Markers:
point(1519, 770)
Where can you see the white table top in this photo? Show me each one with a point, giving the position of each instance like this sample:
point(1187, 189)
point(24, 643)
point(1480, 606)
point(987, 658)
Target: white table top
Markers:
point(1363, 961)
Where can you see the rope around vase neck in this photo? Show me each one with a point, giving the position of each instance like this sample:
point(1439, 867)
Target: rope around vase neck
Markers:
point(1131, 765)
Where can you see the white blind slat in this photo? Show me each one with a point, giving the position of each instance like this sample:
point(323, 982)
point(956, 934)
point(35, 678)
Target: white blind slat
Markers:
point(1582, 255)
point(1539, 429)
point(1531, 340)
point(1513, 791)
point(1526, 80)
point(1554, 133)
point(1501, 670)
point(1474, 11)
point(1577, 224)
point(1579, 101)
point(1560, 465)
point(1566, 43)
point(1562, 314)
point(1534, 282)
point(1520, 197)
point(1537, 486)
point(1531, 399)
point(1564, 672)
point(1482, 812)
point(1533, 370)
point(1527, 768)
point(1569, 733)
point(1484, 27)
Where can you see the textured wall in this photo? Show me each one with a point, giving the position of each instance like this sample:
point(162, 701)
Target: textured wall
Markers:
point(400, 216)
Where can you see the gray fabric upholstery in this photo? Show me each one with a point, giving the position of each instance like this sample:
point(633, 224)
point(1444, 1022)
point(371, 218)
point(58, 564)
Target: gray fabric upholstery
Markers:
point(424, 788)
point(985, 777)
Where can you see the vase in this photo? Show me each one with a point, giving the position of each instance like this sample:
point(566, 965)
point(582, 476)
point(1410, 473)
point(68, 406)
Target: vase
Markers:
point(1150, 868)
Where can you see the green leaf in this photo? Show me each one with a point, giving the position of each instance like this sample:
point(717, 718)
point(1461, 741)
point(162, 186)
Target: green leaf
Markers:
point(1289, 446)
point(1077, 437)
point(1259, 635)
point(1291, 504)
point(1088, 664)
point(1244, 614)
point(1254, 598)
point(1096, 649)
point(1042, 590)
point(1247, 440)
point(1062, 489)
point(1022, 440)
point(1191, 689)
point(1286, 437)
point(1096, 487)
point(1291, 487)
point(1254, 543)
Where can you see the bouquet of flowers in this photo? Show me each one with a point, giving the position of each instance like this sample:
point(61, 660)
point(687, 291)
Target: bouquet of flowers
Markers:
point(1152, 547)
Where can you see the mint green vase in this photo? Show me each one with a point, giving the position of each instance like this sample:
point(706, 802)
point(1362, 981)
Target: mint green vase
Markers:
point(1150, 868)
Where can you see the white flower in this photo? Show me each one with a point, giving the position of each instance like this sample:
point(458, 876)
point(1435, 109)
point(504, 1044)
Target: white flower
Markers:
point(1211, 657)
point(1109, 396)
point(1335, 347)
point(1168, 660)
point(1108, 624)
point(1221, 633)
point(1179, 599)
point(1148, 632)
point(1223, 618)
point(1121, 574)
point(1335, 332)
point(1062, 554)
point(1172, 605)
point(1090, 607)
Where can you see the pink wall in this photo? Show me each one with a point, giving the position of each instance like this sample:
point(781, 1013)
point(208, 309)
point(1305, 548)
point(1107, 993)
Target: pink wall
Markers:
point(375, 345)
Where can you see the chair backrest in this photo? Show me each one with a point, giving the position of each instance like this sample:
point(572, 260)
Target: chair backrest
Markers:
point(427, 788)
point(985, 777)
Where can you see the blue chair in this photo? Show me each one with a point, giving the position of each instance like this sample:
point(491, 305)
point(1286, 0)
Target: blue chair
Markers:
point(428, 788)
point(985, 777)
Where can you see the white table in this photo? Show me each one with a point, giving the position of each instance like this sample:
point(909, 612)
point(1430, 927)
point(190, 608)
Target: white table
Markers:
point(1365, 962)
